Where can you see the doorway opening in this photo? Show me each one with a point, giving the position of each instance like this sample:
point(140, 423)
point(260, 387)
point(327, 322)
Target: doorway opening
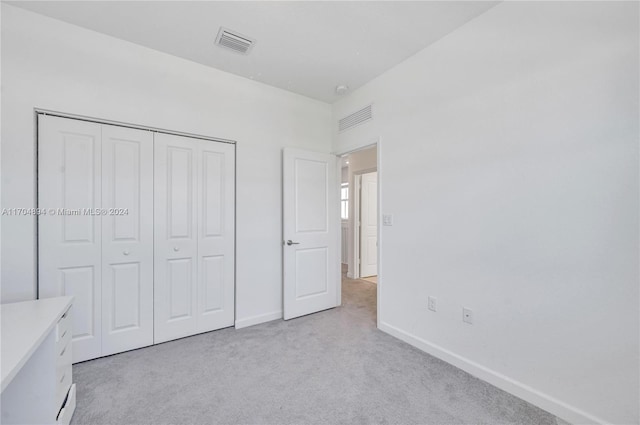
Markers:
point(359, 221)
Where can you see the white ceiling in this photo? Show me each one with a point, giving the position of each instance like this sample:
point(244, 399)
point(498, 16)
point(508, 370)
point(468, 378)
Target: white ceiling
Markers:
point(307, 47)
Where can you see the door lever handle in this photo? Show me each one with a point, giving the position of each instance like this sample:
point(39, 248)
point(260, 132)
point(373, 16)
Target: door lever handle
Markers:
point(290, 242)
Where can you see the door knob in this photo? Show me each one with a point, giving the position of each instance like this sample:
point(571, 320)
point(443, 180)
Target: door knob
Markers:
point(126, 252)
point(176, 249)
point(290, 242)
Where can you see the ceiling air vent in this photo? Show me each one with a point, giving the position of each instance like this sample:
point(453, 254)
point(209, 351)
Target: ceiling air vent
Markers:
point(357, 118)
point(234, 41)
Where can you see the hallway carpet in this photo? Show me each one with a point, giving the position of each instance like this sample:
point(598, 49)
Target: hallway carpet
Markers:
point(332, 367)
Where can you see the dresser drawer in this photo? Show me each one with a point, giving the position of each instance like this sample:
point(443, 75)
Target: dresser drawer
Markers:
point(63, 331)
point(64, 375)
point(62, 387)
point(63, 361)
point(64, 417)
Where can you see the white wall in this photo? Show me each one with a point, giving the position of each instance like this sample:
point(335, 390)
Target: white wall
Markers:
point(359, 162)
point(52, 65)
point(1, 204)
point(509, 155)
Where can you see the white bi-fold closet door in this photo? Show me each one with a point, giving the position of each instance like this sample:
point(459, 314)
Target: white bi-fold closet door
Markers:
point(102, 237)
point(105, 262)
point(194, 236)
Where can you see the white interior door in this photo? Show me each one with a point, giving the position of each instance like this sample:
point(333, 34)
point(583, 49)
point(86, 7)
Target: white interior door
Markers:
point(176, 239)
point(69, 236)
point(127, 239)
point(369, 225)
point(216, 236)
point(310, 231)
point(194, 236)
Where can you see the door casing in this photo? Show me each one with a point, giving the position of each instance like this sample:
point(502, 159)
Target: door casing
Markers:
point(377, 143)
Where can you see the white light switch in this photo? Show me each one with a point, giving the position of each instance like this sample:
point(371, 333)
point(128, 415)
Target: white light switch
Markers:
point(387, 220)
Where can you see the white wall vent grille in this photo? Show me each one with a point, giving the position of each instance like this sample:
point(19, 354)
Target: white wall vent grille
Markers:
point(234, 41)
point(357, 118)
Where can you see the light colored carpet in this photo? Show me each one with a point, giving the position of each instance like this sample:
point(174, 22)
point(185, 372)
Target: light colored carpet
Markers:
point(332, 367)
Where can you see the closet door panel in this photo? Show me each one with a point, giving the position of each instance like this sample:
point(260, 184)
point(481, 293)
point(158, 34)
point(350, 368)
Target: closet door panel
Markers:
point(180, 288)
point(69, 234)
point(216, 301)
point(175, 210)
point(127, 239)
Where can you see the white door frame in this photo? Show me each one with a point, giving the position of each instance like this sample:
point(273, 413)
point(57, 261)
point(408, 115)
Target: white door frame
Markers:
point(377, 143)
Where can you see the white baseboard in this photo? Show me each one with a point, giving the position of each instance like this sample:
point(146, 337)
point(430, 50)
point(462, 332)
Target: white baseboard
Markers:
point(552, 405)
point(256, 320)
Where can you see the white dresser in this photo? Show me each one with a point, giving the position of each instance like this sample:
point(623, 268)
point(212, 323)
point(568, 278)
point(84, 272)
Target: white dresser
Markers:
point(37, 384)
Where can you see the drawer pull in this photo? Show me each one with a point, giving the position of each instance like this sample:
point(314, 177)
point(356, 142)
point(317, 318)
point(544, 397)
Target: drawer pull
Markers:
point(63, 376)
point(65, 332)
point(62, 352)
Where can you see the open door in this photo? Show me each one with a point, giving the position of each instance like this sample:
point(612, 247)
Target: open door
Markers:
point(369, 225)
point(311, 233)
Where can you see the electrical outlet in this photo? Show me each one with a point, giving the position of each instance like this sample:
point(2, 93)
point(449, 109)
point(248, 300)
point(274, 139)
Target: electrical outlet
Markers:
point(387, 219)
point(467, 315)
point(432, 304)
